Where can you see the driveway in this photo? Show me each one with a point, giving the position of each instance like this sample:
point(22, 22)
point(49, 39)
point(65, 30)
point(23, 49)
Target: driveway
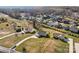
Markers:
point(25, 40)
point(10, 35)
point(70, 45)
point(7, 35)
point(77, 47)
point(6, 50)
point(17, 44)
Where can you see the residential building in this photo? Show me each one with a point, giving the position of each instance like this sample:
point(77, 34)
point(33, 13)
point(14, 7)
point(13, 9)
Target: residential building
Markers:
point(51, 23)
point(41, 34)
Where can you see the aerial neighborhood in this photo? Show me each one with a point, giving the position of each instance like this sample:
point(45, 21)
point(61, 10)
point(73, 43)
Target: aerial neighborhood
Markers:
point(37, 29)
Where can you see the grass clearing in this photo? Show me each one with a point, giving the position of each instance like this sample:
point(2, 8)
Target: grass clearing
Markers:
point(68, 18)
point(43, 45)
point(62, 47)
point(10, 41)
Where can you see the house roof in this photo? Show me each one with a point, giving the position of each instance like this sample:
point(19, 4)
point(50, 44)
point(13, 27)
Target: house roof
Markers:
point(77, 27)
point(42, 33)
point(52, 23)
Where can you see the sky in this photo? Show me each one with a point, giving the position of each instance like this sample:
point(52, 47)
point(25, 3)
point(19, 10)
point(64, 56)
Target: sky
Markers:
point(39, 2)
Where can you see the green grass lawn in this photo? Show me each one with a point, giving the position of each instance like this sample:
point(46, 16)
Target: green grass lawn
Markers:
point(10, 41)
point(62, 47)
point(3, 26)
point(6, 29)
point(42, 45)
point(68, 18)
point(74, 38)
point(65, 24)
point(32, 45)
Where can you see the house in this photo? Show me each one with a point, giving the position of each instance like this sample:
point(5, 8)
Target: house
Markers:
point(74, 29)
point(53, 17)
point(60, 37)
point(51, 23)
point(31, 17)
point(66, 21)
point(41, 34)
point(21, 18)
point(45, 21)
point(71, 22)
point(59, 19)
point(39, 19)
point(75, 15)
point(46, 17)
point(28, 30)
point(64, 26)
point(78, 29)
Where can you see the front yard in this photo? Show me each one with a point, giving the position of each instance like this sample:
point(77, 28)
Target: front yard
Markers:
point(43, 45)
point(10, 41)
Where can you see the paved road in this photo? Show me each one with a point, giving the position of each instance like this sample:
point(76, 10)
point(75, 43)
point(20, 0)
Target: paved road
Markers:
point(77, 47)
point(10, 35)
point(7, 35)
point(6, 50)
point(25, 40)
point(70, 45)
point(17, 44)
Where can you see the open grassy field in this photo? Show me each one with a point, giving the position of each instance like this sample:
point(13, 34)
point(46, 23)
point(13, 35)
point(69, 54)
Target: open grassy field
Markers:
point(43, 45)
point(5, 30)
point(10, 41)
point(4, 27)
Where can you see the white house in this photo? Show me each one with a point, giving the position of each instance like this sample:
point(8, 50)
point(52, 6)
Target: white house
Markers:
point(51, 23)
point(73, 28)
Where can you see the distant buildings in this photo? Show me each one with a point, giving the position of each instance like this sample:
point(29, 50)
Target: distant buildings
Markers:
point(28, 30)
point(51, 23)
point(74, 29)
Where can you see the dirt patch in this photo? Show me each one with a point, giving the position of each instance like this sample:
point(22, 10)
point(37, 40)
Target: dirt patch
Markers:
point(8, 42)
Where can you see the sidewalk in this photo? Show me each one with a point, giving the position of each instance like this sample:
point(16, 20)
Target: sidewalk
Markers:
point(77, 47)
point(7, 35)
point(70, 45)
